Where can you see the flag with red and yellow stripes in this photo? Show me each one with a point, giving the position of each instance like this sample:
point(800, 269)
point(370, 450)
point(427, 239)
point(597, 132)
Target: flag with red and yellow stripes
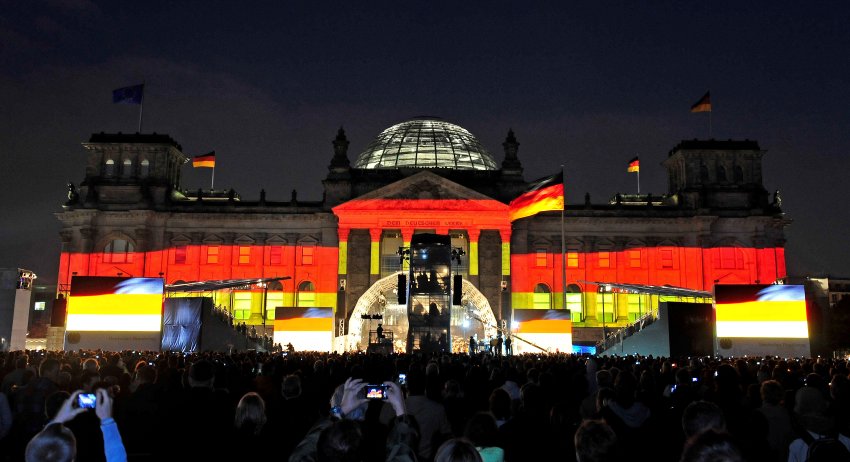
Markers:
point(634, 165)
point(542, 195)
point(704, 103)
point(205, 160)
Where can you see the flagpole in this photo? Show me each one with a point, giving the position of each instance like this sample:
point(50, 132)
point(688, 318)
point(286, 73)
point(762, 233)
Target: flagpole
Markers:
point(141, 106)
point(212, 181)
point(638, 172)
point(709, 124)
point(563, 248)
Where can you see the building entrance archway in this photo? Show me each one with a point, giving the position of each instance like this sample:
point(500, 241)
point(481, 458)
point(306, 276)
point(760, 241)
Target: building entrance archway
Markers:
point(473, 318)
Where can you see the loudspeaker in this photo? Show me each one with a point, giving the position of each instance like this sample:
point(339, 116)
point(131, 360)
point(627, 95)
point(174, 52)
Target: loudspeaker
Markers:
point(457, 289)
point(402, 289)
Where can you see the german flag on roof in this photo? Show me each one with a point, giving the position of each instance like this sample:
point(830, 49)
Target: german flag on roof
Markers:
point(542, 195)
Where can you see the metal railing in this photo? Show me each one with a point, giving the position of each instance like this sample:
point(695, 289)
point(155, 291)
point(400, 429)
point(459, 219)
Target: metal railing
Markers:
point(618, 336)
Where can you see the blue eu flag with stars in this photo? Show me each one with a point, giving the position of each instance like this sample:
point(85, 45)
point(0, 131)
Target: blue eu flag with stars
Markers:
point(129, 95)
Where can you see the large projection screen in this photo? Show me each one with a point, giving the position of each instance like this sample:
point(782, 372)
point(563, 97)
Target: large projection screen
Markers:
point(114, 313)
point(539, 331)
point(761, 320)
point(307, 329)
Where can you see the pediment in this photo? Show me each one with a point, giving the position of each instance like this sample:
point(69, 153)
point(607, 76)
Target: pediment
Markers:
point(424, 190)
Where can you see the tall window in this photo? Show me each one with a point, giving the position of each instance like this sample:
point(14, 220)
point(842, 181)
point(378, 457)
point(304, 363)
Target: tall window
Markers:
point(276, 255)
point(605, 307)
point(572, 259)
point(128, 168)
point(730, 258)
point(109, 168)
point(307, 253)
point(274, 298)
point(306, 294)
point(145, 168)
point(244, 254)
point(721, 173)
point(213, 254)
point(180, 255)
point(541, 258)
point(542, 298)
point(665, 258)
point(739, 174)
point(574, 302)
point(636, 306)
point(634, 258)
point(118, 251)
point(241, 305)
point(604, 259)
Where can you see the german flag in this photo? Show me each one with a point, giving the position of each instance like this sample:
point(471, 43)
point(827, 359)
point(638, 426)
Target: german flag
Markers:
point(634, 165)
point(542, 195)
point(205, 160)
point(704, 104)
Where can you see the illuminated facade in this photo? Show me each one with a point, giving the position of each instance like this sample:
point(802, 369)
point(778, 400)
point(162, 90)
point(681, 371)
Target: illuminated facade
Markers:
point(130, 217)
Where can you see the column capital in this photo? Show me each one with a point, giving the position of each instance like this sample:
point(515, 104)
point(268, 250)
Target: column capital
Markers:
point(406, 234)
point(505, 234)
point(474, 234)
point(375, 234)
point(343, 233)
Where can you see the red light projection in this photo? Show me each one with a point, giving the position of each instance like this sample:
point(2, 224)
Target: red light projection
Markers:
point(688, 267)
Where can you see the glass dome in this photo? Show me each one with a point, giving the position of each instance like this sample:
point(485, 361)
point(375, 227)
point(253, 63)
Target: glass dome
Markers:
point(425, 143)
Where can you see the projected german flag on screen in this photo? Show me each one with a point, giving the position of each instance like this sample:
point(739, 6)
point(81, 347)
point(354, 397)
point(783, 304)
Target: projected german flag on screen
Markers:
point(760, 311)
point(307, 329)
point(550, 330)
point(114, 304)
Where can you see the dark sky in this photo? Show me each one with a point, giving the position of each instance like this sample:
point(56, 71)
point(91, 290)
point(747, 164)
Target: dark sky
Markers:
point(586, 84)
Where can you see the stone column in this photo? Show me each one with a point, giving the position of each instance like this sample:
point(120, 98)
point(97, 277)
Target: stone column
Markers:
point(375, 255)
point(474, 234)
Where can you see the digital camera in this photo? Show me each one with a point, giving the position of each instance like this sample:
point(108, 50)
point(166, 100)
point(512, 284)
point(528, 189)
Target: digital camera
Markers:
point(375, 391)
point(86, 400)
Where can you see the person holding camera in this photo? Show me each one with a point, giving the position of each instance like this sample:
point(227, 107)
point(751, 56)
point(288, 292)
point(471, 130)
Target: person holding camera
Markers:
point(56, 443)
point(341, 436)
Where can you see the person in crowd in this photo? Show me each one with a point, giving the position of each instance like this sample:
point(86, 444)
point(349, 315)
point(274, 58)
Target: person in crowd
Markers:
point(588, 409)
point(139, 412)
point(341, 436)
point(457, 450)
point(527, 435)
point(595, 441)
point(811, 409)
point(57, 443)
point(434, 427)
point(712, 446)
point(780, 426)
point(15, 378)
point(702, 416)
point(201, 413)
point(482, 432)
point(500, 406)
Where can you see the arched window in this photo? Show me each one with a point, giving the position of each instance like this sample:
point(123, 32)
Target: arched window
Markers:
point(721, 174)
point(118, 251)
point(274, 298)
point(542, 298)
point(306, 295)
point(637, 306)
point(127, 171)
point(574, 302)
point(739, 174)
point(145, 168)
point(605, 308)
point(703, 174)
point(109, 168)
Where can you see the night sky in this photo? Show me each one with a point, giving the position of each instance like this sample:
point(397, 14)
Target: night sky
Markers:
point(587, 85)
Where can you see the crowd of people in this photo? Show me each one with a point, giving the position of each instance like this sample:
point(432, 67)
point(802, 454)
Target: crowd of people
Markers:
point(310, 406)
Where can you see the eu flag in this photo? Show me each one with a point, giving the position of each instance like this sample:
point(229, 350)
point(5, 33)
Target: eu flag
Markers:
point(129, 95)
